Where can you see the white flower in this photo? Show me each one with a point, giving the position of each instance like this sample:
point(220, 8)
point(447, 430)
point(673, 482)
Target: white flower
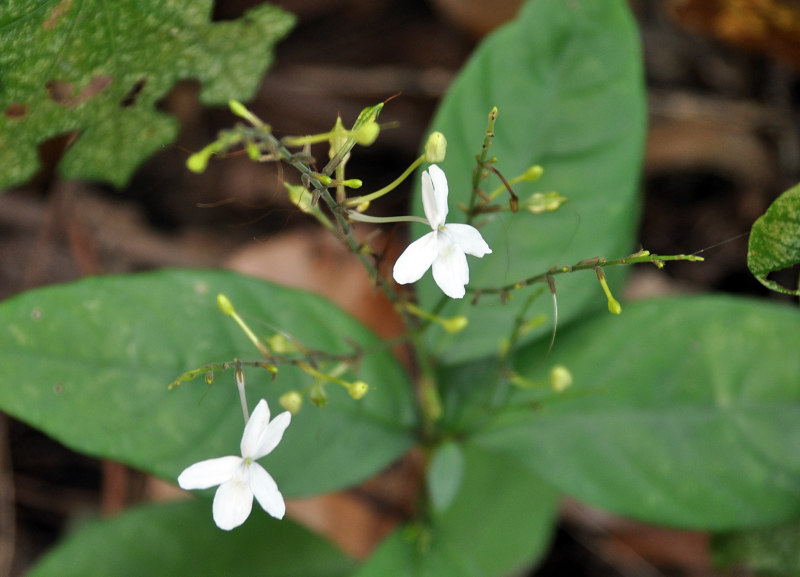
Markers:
point(445, 248)
point(241, 478)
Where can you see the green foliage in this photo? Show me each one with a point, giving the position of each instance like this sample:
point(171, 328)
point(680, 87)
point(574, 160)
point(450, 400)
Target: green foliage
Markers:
point(98, 70)
point(769, 551)
point(445, 474)
point(499, 523)
point(173, 539)
point(89, 363)
point(682, 411)
point(567, 80)
point(775, 240)
point(679, 411)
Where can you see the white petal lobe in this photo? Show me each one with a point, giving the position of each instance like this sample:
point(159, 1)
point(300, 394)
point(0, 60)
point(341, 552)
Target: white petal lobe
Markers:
point(416, 259)
point(209, 473)
point(468, 238)
point(255, 429)
point(272, 435)
point(266, 491)
point(440, 192)
point(233, 502)
point(450, 270)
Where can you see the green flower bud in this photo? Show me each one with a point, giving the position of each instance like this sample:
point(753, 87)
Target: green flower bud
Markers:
point(455, 324)
point(291, 401)
point(225, 305)
point(533, 173)
point(560, 378)
point(198, 161)
point(436, 147)
point(358, 389)
point(368, 133)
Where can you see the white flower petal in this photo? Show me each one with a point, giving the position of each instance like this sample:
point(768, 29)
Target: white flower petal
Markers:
point(416, 259)
point(440, 191)
point(266, 491)
point(272, 435)
point(233, 500)
point(255, 428)
point(434, 196)
point(450, 270)
point(468, 238)
point(209, 473)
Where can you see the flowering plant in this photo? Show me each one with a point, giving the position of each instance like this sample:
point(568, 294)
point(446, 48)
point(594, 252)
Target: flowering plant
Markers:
point(517, 379)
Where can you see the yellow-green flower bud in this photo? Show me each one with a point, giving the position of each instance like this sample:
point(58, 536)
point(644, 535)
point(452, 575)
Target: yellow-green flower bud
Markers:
point(353, 183)
point(533, 173)
point(225, 305)
point(358, 389)
point(253, 152)
point(198, 161)
point(436, 147)
point(560, 378)
point(238, 108)
point(367, 133)
point(454, 324)
point(281, 345)
point(613, 304)
point(291, 401)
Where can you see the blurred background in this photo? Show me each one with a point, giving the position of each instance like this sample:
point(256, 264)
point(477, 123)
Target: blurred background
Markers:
point(723, 143)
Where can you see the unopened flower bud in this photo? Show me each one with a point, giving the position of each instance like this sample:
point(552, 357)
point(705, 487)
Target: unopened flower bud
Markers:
point(367, 133)
point(560, 378)
point(281, 345)
point(454, 324)
point(358, 389)
point(436, 147)
point(291, 401)
point(238, 108)
point(613, 304)
point(533, 173)
point(353, 183)
point(253, 152)
point(198, 161)
point(225, 304)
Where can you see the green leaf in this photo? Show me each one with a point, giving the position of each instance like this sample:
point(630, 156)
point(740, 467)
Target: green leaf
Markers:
point(775, 240)
point(682, 411)
point(765, 551)
point(98, 69)
point(89, 364)
point(181, 539)
point(444, 475)
point(567, 80)
point(500, 522)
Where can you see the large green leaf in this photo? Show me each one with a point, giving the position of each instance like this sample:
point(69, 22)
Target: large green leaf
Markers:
point(500, 521)
point(89, 364)
point(567, 80)
point(180, 539)
point(683, 411)
point(99, 69)
point(775, 240)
